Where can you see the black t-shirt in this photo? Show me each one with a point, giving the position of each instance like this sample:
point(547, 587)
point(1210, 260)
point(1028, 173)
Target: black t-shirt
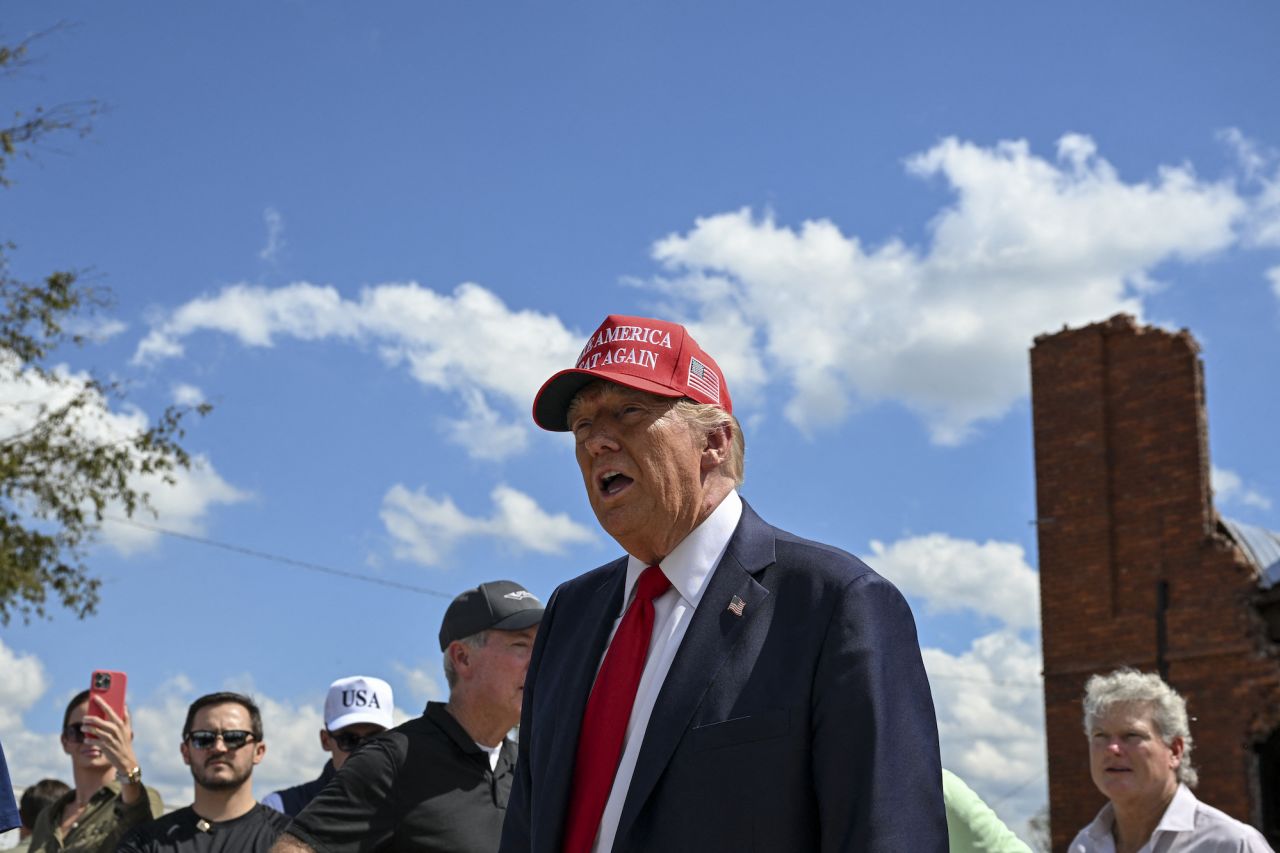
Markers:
point(177, 832)
point(424, 785)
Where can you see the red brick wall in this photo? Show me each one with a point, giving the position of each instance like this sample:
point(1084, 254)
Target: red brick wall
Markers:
point(1123, 502)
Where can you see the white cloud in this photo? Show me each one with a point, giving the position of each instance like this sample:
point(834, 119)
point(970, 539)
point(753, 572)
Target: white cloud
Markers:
point(180, 506)
point(989, 704)
point(25, 397)
point(33, 756)
point(275, 235)
point(24, 682)
point(255, 316)
point(292, 733)
point(30, 755)
point(157, 732)
point(1251, 157)
point(988, 699)
point(1229, 487)
point(1274, 275)
point(1265, 222)
point(95, 329)
point(1027, 245)
point(1260, 167)
point(482, 432)
point(991, 578)
point(424, 683)
point(467, 342)
point(187, 395)
point(425, 528)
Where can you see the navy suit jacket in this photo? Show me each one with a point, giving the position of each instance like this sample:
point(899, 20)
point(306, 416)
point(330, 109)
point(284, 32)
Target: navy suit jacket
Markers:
point(806, 723)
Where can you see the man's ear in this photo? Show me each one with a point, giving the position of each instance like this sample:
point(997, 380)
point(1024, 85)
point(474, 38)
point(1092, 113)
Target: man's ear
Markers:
point(186, 753)
point(460, 655)
point(326, 743)
point(259, 751)
point(1176, 749)
point(716, 450)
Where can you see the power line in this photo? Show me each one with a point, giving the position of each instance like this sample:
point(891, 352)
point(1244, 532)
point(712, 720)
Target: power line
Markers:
point(343, 573)
point(277, 558)
point(1017, 788)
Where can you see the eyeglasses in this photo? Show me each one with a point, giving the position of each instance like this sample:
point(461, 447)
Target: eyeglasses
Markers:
point(231, 739)
point(347, 741)
point(74, 732)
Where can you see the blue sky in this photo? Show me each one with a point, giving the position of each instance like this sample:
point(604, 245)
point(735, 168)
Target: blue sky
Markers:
point(366, 233)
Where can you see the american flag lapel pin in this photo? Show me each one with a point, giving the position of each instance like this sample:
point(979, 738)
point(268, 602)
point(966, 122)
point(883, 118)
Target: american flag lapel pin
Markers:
point(736, 606)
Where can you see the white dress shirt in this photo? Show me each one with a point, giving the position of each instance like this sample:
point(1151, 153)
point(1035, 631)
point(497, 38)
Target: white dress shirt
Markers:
point(688, 567)
point(1187, 826)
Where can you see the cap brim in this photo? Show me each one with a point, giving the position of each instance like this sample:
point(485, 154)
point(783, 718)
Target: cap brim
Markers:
point(551, 406)
point(519, 621)
point(384, 720)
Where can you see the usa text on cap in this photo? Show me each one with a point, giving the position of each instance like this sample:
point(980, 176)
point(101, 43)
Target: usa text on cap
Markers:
point(358, 699)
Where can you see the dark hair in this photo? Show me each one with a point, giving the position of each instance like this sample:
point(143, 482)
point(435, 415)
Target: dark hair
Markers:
point(255, 716)
point(76, 701)
point(39, 797)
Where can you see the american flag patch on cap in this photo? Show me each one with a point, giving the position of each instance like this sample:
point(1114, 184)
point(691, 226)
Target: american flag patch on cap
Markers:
point(704, 379)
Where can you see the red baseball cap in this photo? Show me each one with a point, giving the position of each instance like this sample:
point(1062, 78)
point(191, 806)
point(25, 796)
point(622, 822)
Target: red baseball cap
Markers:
point(637, 352)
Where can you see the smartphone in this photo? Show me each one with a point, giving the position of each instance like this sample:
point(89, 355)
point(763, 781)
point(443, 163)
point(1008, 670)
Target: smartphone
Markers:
point(110, 686)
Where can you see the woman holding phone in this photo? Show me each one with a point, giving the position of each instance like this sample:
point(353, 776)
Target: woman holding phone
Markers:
point(108, 798)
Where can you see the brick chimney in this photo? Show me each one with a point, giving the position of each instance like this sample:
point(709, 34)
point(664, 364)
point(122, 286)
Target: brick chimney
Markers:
point(1134, 569)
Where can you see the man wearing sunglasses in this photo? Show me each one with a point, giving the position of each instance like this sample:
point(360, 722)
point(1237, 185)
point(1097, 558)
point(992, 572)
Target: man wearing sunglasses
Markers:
point(221, 743)
point(355, 708)
point(108, 798)
point(439, 783)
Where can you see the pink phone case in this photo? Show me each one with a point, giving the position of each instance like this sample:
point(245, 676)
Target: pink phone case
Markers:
point(110, 685)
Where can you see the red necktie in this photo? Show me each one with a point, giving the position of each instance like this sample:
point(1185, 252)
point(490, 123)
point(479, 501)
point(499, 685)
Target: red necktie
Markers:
point(608, 710)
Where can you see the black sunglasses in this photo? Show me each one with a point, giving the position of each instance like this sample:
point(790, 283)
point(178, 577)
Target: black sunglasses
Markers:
point(231, 739)
point(74, 732)
point(347, 741)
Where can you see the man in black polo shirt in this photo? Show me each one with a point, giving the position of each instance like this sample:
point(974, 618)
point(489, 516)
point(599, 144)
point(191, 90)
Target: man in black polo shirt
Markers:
point(440, 782)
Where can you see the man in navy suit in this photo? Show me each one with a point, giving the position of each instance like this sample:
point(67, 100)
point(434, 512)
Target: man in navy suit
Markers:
point(725, 685)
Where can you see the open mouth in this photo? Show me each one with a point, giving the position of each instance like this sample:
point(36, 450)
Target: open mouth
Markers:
point(613, 482)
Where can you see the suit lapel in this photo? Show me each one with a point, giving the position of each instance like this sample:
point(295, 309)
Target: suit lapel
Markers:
point(706, 645)
point(580, 657)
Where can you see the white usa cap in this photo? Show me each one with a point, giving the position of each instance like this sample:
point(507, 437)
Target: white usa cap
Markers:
point(358, 699)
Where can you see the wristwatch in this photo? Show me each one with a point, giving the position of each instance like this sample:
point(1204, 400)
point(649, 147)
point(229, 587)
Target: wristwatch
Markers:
point(133, 777)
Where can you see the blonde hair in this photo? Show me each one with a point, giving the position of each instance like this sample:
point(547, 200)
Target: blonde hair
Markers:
point(707, 418)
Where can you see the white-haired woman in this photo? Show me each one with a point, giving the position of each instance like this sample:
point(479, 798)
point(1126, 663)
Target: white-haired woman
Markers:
point(1140, 759)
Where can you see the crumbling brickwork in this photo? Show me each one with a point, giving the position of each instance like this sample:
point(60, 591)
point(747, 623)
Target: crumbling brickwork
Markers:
point(1123, 507)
